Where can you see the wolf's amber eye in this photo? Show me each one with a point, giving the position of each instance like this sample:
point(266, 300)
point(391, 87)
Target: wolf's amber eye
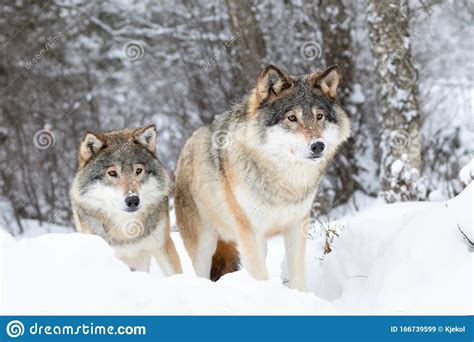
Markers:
point(293, 118)
point(112, 173)
point(319, 116)
point(139, 170)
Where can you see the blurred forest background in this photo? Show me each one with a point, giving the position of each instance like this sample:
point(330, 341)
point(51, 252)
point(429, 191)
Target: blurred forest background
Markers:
point(67, 66)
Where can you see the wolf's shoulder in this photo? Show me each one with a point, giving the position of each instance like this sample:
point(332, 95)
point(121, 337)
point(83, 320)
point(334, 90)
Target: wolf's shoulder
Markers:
point(196, 142)
point(200, 134)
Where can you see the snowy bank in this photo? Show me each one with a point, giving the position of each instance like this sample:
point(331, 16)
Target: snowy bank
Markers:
point(78, 274)
point(408, 258)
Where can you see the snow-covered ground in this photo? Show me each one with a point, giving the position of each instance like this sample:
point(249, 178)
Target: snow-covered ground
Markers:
point(406, 258)
point(409, 258)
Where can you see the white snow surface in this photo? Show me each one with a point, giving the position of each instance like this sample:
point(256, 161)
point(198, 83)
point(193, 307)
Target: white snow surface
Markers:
point(396, 167)
point(405, 258)
point(402, 259)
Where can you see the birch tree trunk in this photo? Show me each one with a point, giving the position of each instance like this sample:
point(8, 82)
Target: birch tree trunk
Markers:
point(397, 100)
point(337, 49)
point(249, 51)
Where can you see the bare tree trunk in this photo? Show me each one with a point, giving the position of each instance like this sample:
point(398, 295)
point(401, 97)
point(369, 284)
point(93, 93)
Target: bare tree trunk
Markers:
point(250, 50)
point(337, 49)
point(397, 98)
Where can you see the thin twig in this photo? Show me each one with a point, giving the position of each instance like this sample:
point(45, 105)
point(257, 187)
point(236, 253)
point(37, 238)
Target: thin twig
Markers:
point(465, 236)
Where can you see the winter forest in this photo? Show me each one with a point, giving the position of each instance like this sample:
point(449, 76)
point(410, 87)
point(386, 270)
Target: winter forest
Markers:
point(68, 66)
point(390, 229)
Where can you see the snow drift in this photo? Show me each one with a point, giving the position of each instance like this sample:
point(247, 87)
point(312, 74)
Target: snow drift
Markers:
point(410, 258)
point(406, 258)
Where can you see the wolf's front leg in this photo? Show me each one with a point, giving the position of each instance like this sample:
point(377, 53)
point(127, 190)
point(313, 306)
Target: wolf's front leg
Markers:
point(252, 248)
point(138, 262)
point(295, 245)
point(168, 258)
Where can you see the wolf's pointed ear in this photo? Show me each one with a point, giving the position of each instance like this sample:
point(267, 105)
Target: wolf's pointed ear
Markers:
point(326, 80)
point(90, 146)
point(147, 137)
point(271, 83)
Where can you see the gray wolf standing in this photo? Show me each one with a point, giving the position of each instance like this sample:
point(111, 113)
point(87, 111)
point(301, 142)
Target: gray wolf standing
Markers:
point(121, 194)
point(254, 171)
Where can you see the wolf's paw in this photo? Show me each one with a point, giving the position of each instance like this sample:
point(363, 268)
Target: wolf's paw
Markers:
point(300, 286)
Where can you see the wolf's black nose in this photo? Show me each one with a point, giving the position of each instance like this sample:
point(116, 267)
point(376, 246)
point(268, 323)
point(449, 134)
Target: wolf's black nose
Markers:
point(317, 147)
point(132, 202)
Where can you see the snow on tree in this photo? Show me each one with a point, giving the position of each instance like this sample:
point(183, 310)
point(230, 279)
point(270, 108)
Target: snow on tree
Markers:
point(467, 173)
point(337, 20)
point(108, 65)
point(397, 98)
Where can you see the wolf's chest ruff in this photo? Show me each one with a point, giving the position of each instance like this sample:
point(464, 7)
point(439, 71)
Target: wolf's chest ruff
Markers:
point(276, 214)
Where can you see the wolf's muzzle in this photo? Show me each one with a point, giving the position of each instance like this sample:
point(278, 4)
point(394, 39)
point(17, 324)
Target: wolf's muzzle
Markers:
point(132, 202)
point(317, 149)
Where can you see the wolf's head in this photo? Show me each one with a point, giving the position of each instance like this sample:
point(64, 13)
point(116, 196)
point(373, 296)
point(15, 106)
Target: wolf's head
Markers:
point(119, 170)
point(297, 116)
